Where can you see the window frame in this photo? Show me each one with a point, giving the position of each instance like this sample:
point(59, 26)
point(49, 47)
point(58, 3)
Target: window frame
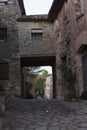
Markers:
point(38, 34)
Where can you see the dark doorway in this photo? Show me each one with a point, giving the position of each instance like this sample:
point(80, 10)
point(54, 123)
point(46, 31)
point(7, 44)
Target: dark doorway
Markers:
point(84, 61)
point(39, 61)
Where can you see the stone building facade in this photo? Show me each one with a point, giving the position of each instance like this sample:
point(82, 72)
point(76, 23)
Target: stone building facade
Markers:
point(43, 40)
point(70, 21)
point(36, 38)
point(9, 46)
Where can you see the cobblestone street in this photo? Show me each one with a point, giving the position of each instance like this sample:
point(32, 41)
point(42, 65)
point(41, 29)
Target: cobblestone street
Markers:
point(44, 115)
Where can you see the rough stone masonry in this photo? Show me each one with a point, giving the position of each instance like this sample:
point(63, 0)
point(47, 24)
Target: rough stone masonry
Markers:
point(41, 40)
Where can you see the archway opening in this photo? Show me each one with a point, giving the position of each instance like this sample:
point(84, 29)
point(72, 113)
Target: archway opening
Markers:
point(36, 80)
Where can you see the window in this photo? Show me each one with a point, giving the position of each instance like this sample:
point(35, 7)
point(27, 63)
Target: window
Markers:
point(3, 34)
point(36, 35)
point(4, 71)
point(3, 2)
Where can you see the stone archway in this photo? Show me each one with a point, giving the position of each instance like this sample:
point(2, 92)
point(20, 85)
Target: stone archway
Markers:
point(39, 61)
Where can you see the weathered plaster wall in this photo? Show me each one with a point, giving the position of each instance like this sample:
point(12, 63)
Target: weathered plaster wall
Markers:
point(71, 33)
point(78, 38)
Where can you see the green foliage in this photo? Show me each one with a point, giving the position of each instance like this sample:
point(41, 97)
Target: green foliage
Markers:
point(68, 77)
point(44, 73)
point(68, 80)
point(39, 87)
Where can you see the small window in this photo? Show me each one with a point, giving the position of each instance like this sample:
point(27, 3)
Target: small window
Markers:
point(36, 35)
point(3, 2)
point(3, 34)
point(4, 71)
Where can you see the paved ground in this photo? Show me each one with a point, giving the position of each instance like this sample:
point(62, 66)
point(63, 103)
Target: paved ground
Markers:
point(44, 115)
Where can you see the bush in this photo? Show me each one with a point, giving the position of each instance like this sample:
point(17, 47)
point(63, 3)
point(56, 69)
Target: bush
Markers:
point(68, 81)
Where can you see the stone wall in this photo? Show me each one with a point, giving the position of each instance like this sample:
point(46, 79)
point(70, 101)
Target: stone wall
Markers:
point(71, 36)
point(70, 29)
point(60, 34)
point(66, 38)
point(44, 47)
point(41, 48)
point(10, 48)
point(78, 38)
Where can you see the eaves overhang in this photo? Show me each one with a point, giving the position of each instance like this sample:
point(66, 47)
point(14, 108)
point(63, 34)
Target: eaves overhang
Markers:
point(21, 4)
point(55, 9)
point(33, 18)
